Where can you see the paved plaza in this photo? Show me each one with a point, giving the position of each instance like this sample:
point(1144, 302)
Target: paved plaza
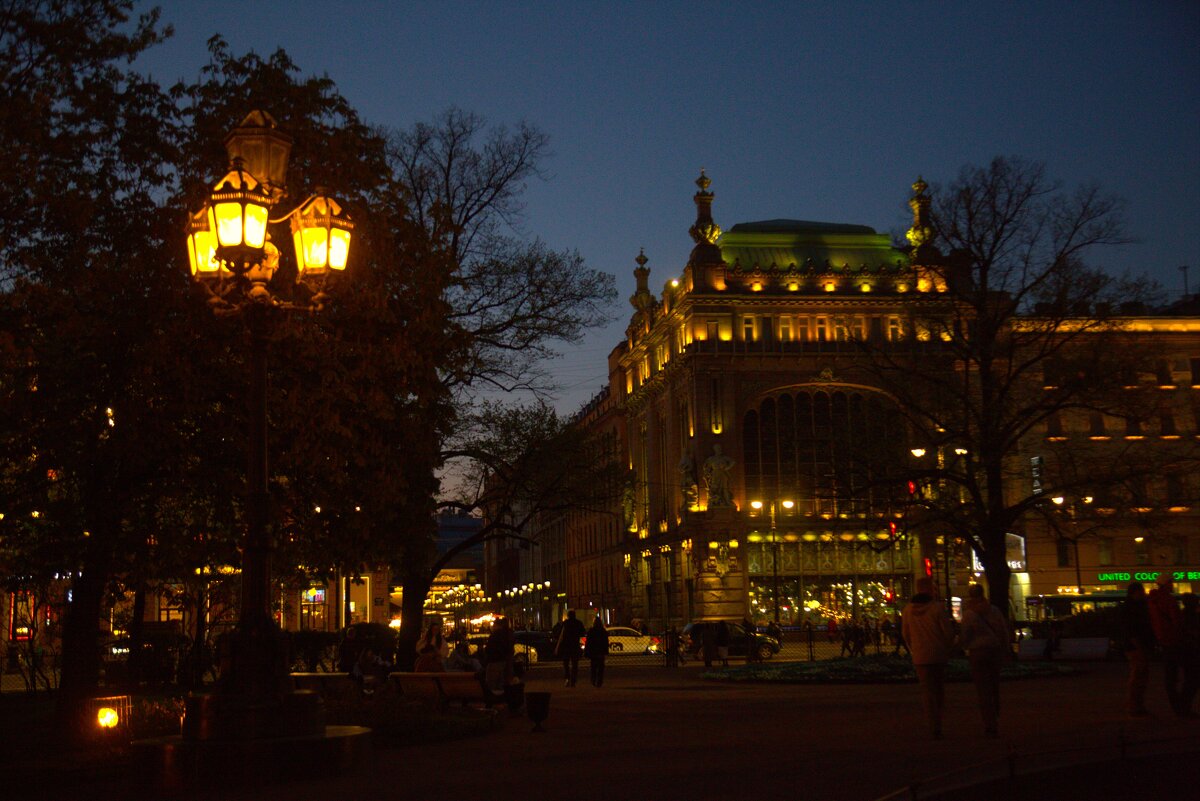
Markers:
point(659, 733)
point(668, 734)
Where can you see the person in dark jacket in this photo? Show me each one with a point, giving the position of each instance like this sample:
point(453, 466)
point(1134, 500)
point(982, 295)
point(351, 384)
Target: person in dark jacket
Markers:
point(721, 636)
point(1137, 641)
point(1190, 636)
point(567, 648)
point(596, 649)
point(1168, 630)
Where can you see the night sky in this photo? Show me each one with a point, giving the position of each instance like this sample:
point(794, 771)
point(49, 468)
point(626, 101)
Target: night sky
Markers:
point(800, 110)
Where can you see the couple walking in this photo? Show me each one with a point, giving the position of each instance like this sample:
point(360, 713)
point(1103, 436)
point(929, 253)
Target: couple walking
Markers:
point(566, 636)
point(929, 633)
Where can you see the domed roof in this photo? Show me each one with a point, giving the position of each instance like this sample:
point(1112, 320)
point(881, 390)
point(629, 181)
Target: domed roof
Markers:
point(804, 244)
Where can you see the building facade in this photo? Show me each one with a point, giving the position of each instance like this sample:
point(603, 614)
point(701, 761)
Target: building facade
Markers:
point(740, 397)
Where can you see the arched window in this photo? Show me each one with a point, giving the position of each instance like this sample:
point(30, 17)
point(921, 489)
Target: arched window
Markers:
point(828, 450)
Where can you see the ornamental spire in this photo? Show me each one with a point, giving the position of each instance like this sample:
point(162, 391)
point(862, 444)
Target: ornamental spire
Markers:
point(920, 235)
point(704, 230)
point(642, 299)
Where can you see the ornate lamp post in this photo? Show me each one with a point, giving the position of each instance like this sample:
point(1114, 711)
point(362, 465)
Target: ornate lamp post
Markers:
point(232, 257)
point(758, 505)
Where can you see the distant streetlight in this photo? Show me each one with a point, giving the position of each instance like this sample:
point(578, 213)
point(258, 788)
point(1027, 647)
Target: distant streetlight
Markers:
point(757, 506)
point(232, 257)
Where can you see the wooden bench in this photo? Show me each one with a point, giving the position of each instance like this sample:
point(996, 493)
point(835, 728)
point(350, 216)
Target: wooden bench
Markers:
point(440, 689)
point(327, 685)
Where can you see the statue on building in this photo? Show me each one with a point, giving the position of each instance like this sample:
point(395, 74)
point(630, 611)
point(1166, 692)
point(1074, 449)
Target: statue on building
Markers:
point(629, 505)
point(687, 482)
point(716, 478)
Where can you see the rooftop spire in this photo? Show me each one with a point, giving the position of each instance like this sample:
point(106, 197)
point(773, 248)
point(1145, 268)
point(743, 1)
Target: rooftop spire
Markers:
point(920, 235)
point(704, 230)
point(642, 298)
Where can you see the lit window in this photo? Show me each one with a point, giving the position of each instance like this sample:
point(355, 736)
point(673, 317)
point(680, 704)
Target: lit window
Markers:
point(785, 329)
point(748, 332)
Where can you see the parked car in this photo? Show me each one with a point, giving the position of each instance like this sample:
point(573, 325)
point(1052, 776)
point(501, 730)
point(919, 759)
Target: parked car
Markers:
point(739, 641)
point(626, 640)
point(537, 641)
point(524, 654)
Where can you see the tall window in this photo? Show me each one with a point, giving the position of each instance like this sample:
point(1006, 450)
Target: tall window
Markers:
point(712, 330)
point(828, 450)
point(1064, 553)
point(748, 330)
point(1104, 551)
point(785, 329)
point(822, 329)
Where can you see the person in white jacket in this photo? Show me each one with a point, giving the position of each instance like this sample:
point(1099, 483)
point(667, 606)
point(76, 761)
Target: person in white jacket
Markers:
point(929, 633)
point(986, 640)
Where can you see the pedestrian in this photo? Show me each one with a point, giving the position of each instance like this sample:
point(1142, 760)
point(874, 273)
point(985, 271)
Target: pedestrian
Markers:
point(775, 631)
point(751, 640)
point(721, 636)
point(1137, 641)
point(1190, 636)
point(432, 651)
point(929, 633)
point(1168, 630)
point(498, 658)
point(596, 649)
point(986, 638)
point(708, 643)
point(567, 648)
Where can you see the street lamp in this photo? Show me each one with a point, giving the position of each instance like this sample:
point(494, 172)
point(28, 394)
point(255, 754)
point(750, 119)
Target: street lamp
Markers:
point(758, 505)
point(1071, 509)
point(232, 257)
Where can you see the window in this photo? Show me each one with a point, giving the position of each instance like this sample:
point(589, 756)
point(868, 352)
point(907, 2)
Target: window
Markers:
point(1162, 373)
point(1195, 363)
point(1096, 425)
point(1054, 426)
point(1133, 427)
point(1064, 553)
point(748, 333)
point(895, 329)
point(1166, 424)
point(822, 329)
point(1141, 550)
point(841, 328)
point(1104, 551)
point(711, 330)
point(785, 329)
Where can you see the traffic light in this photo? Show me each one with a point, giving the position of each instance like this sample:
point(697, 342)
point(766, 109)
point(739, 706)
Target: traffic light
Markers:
point(912, 489)
point(928, 567)
point(893, 529)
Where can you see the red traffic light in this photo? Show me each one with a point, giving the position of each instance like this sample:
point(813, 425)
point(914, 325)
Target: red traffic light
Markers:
point(912, 488)
point(928, 567)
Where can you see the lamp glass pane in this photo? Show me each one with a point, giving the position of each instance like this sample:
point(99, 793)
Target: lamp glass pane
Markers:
point(228, 217)
point(316, 248)
point(339, 248)
point(202, 252)
point(256, 225)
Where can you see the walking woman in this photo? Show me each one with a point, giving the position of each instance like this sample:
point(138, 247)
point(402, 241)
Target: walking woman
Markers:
point(596, 649)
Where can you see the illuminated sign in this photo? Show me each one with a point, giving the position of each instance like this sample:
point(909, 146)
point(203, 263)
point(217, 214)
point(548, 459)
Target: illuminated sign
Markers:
point(1014, 552)
point(1149, 575)
point(314, 595)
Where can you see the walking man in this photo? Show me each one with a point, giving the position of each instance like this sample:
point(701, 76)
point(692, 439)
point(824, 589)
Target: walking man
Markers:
point(929, 633)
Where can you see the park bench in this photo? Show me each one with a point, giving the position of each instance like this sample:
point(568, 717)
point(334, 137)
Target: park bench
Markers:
point(441, 689)
point(327, 685)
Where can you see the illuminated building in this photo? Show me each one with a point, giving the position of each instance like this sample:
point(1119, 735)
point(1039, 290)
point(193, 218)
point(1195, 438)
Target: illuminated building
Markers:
point(749, 367)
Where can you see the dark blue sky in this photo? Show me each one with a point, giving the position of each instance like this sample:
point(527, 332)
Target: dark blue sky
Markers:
point(802, 110)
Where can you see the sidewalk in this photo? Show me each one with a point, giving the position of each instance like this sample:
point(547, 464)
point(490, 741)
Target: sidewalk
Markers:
point(651, 732)
point(667, 734)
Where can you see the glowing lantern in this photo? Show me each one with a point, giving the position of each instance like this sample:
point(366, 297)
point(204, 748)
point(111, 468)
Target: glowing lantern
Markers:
point(107, 717)
point(202, 244)
point(239, 207)
point(321, 233)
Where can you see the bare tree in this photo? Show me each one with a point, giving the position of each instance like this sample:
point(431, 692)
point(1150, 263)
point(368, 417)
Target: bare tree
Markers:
point(1013, 334)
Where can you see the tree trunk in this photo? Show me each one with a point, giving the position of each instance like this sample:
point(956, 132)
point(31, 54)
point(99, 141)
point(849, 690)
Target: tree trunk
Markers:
point(416, 585)
point(81, 645)
point(995, 565)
